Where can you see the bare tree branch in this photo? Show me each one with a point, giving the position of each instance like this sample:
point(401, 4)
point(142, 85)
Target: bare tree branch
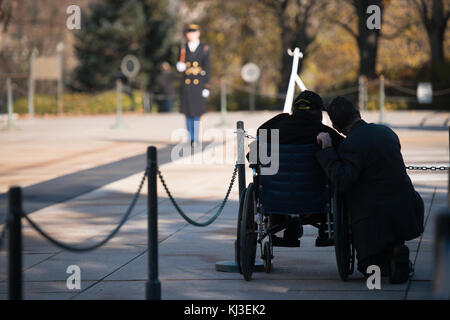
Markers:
point(398, 32)
point(345, 26)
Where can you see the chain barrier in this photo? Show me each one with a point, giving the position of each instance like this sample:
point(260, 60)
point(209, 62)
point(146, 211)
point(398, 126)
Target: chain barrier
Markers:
point(442, 92)
point(340, 92)
point(248, 136)
point(185, 217)
point(436, 93)
point(72, 248)
point(425, 168)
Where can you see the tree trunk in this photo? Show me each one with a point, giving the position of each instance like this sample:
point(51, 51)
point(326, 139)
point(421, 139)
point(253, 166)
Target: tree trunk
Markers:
point(288, 41)
point(368, 46)
point(435, 27)
point(292, 37)
point(436, 40)
point(367, 40)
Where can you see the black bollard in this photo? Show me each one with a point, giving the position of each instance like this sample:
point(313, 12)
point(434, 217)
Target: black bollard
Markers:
point(15, 243)
point(241, 156)
point(153, 286)
point(441, 281)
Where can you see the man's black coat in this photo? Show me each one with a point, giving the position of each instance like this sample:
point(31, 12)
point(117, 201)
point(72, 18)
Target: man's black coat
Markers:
point(383, 207)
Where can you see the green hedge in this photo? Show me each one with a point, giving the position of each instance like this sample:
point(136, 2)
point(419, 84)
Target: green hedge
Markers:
point(80, 103)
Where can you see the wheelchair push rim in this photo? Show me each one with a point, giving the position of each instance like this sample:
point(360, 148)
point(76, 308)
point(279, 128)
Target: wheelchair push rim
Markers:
point(345, 252)
point(267, 256)
point(237, 243)
point(248, 234)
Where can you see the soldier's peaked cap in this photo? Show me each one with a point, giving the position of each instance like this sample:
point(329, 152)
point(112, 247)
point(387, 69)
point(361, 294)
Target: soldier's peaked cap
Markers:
point(192, 26)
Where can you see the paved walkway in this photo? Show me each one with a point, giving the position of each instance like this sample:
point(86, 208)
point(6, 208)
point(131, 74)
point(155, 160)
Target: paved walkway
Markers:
point(43, 149)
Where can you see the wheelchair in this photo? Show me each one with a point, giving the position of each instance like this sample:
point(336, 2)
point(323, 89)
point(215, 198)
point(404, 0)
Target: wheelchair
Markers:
point(301, 190)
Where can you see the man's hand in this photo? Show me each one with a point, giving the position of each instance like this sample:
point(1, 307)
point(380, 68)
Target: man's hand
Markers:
point(324, 139)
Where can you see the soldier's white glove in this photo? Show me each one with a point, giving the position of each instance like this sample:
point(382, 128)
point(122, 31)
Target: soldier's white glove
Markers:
point(181, 66)
point(205, 93)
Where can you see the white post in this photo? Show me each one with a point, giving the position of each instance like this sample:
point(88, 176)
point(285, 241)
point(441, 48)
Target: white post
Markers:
point(223, 101)
point(251, 96)
point(381, 99)
point(10, 104)
point(31, 85)
point(361, 93)
point(150, 102)
point(119, 121)
point(366, 92)
point(60, 87)
point(294, 79)
point(146, 100)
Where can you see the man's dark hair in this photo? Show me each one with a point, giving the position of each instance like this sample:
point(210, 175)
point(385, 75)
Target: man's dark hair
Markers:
point(342, 112)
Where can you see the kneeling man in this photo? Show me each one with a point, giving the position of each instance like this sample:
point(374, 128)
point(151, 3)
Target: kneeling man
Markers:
point(383, 207)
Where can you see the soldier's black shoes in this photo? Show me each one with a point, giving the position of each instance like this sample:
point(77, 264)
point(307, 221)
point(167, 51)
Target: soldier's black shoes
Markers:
point(400, 267)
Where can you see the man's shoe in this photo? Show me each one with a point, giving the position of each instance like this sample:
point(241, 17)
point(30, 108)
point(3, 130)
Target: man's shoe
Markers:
point(283, 242)
point(323, 240)
point(400, 268)
point(293, 231)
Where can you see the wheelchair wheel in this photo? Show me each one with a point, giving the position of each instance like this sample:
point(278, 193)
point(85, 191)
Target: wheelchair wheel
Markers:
point(237, 244)
point(342, 245)
point(267, 257)
point(248, 235)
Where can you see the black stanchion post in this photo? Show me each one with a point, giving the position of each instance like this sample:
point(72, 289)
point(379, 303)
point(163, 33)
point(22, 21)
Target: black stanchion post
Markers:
point(441, 281)
point(153, 286)
point(240, 155)
point(15, 243)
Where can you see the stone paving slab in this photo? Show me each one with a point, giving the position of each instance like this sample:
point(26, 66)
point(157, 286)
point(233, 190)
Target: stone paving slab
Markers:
point(224, 290)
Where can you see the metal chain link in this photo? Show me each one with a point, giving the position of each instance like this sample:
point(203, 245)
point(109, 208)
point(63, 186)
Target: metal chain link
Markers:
point(72, 248)
point(425, 168)
point(185, 217)
point(248, 136)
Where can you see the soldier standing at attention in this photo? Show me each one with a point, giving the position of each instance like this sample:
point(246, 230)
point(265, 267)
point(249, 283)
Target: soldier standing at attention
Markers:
point(194, 63)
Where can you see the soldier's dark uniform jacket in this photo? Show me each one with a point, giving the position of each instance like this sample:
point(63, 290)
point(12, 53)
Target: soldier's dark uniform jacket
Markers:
point(383, 207)
point(196, 78)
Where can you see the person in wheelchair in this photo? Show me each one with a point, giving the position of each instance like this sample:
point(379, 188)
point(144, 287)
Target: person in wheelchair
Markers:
point(383, 208)
point(300, 127)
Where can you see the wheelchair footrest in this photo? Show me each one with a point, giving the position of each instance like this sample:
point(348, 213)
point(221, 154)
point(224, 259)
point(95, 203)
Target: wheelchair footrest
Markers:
point(281, 242)
point(324, 242)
